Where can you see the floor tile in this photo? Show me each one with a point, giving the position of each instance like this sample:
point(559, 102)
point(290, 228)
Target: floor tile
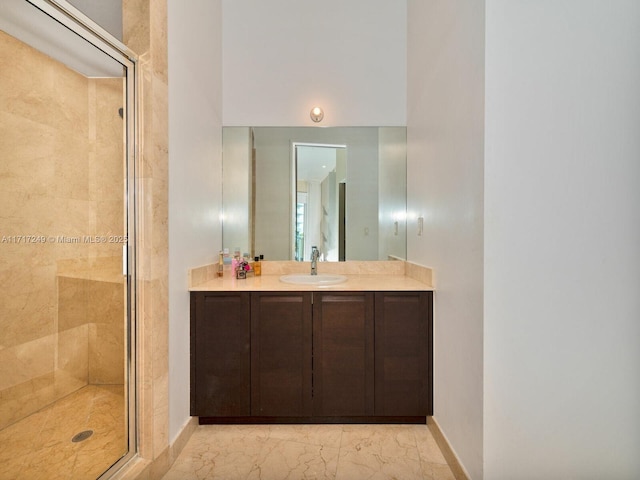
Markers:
point(327, 435)
point(380, 452)
point(342, 452)
point(292, 459)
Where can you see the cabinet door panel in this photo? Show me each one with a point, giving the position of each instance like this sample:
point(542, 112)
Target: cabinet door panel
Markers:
point(343, 354)
point(220, 354)
point(403, 360)
point(281, 354)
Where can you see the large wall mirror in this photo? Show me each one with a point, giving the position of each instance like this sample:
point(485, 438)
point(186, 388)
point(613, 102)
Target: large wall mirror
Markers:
point(341, 189)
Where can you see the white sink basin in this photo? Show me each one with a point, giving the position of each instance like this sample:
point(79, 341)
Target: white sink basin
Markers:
point(318, 280)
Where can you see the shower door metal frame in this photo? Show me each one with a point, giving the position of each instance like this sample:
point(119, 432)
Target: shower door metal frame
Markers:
point(83, 26)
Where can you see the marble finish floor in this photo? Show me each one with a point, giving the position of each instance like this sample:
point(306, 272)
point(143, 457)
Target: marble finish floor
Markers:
point(343, 452)
point(40, 446)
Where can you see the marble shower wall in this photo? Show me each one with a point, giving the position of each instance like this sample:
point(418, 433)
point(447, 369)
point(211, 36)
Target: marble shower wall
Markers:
point(145, 32)
point(61, 182)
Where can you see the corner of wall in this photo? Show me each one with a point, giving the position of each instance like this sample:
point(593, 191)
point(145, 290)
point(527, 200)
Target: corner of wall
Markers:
point(195, 175)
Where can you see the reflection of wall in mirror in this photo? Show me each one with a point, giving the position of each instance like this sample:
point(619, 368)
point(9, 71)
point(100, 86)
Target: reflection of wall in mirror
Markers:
point(329, 224)
point(236, 186)
point(392, 192)
point(273, 217)
point(313, 219)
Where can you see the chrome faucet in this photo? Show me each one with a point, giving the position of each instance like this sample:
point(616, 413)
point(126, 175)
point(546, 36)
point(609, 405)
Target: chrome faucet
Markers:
point(315, 254)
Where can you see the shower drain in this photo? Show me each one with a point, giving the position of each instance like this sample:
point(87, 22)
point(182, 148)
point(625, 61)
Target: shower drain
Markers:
point(82, 436)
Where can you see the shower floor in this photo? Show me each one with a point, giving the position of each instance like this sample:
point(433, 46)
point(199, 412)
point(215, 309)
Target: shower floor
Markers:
point(40, 446)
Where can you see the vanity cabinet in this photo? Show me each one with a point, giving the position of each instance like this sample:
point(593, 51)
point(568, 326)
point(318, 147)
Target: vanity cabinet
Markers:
point(220, 354)
point(311, 356)
point(281, 352)
point(403, 346)
point(343, 358)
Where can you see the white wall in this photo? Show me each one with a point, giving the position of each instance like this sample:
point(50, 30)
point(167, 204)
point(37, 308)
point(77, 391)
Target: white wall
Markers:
point(282, 57)
point(445, 187)
point(194, 174)
point(562, 240)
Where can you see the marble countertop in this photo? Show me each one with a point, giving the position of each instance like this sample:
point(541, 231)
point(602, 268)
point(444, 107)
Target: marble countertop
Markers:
point(391, 275)
point(272, 283)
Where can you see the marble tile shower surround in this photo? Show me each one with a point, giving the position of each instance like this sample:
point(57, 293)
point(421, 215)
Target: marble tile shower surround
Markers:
point(145, 33)
point(59, 180)
point(206, 273)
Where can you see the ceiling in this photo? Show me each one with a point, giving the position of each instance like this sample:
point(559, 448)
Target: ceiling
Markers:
point(22, 20)
point(315, 162)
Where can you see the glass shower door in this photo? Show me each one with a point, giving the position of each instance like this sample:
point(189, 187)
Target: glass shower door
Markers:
point(66, 302)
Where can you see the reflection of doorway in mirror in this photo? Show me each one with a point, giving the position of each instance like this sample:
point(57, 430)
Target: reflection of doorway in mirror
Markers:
point(320, 169)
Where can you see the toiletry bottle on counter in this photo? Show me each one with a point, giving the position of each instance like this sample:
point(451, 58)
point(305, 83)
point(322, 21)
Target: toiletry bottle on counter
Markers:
point(257, 266)
point(235, 261)
point(221, 264)
point(242, 268)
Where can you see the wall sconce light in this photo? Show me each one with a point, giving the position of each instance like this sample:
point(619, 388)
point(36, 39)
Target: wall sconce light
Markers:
point(316, 114)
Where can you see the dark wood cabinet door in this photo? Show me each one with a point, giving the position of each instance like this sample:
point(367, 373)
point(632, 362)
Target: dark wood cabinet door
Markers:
point(281, 354)
point(403, 345)
point(343, 362)
point(220, 354)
